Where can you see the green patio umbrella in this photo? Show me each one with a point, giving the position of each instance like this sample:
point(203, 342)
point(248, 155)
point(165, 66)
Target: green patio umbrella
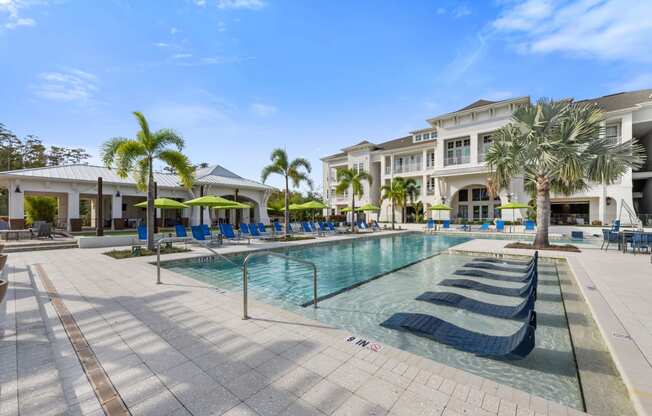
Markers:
point(512, 206)
point(214, 201)
point(439, 208)
point(368, 208)
point(313, 205)
point(163, 203)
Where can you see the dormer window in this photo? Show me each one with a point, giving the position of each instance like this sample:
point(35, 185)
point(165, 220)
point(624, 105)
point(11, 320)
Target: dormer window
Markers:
point(421, 137)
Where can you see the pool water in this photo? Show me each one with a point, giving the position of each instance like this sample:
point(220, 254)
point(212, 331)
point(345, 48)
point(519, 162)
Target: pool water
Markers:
point(408, 265)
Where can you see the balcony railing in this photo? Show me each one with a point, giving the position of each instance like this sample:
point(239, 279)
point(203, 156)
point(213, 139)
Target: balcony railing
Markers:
point(408, 167)
point(458, 160)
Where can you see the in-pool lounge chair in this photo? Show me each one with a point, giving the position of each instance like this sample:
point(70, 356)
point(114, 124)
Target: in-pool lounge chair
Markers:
point(520, 311)
point(446, 225)
point(500, 226)
point(522, 291)
point(430, 225)
point(499, 267)
point(529, 225)
point(525, 277)
point(495, 260)
point(484, 226)
point(515, 346)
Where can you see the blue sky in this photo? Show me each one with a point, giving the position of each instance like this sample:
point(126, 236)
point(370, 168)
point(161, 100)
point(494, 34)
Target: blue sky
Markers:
point(238, 78)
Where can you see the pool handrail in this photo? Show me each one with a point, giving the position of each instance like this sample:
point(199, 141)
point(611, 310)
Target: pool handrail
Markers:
point(245, 276)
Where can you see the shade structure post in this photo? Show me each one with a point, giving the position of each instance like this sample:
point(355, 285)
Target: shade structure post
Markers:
point(201, 208)
point(99, 214)
point(155, 219)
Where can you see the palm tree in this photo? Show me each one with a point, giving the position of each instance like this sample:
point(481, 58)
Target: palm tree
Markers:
point(351, 178)
point(138, 156)
point(410, 193)
point(395, 193)
point(558, 146)
point(290, 171)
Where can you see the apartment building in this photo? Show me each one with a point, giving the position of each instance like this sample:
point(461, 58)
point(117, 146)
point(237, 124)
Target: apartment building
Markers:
point(447, 160)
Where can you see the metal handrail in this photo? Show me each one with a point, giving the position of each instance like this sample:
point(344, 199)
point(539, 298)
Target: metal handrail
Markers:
point(245, 276)
point(184, 240)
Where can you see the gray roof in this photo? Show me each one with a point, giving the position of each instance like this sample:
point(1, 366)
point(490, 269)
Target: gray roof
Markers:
point(215, 175)
point(621, 100)
point(478, 103)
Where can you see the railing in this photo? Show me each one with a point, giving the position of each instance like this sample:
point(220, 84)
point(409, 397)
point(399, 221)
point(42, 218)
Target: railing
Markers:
point(245, 276)
point(168, 240)
point(407, 167)
point(458, 160)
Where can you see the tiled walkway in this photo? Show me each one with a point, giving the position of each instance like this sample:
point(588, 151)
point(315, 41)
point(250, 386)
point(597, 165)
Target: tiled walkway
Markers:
point(181, 348)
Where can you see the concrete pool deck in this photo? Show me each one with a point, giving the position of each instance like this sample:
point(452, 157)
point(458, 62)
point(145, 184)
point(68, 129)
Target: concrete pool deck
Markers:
point(617, 288)
point(182, 348)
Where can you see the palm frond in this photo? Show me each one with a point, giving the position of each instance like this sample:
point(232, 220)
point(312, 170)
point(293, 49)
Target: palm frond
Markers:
point(126, 156)
point(268, 170)
point(144, 133)
point(300, 162)
point(279, 157)
point(109, 149)
point(165, 137)
point(181, 164)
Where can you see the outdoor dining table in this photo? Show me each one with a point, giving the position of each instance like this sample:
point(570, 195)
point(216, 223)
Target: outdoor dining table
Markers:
point(624, 236)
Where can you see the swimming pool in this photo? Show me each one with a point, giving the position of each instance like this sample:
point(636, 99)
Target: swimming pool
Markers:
point(397, 269)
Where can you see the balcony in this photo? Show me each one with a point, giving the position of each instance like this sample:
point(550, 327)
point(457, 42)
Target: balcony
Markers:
point(457, 160)
point(408, 167)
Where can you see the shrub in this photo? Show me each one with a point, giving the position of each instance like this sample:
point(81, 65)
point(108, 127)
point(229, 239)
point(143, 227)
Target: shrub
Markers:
point(41, 208)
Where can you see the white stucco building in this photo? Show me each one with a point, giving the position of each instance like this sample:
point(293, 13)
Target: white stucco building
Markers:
point(72, 184)
point(446, 159)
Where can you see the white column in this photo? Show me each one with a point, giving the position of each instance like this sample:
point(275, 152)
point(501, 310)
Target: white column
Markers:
point(16, 202)
point(116, 208)
point(73, 206)
point(602, 205)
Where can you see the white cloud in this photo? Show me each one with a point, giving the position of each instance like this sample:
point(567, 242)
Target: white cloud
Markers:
point(174, 30)
point(200, 3)
point(241, 4)
point(181, 56)
point(461, 11)
point(604, 29)
point(637, 82)
point(162, 45)
point(12, 9)
point(263, 110)
point(67, 85)
point(467, 56)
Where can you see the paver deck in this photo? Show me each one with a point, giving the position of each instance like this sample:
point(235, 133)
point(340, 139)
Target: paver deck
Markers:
point(618, 289)
point(181, 348)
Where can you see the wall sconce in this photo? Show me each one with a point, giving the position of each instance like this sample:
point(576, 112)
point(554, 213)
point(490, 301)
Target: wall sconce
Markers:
point(17, 190)
point(117, 193)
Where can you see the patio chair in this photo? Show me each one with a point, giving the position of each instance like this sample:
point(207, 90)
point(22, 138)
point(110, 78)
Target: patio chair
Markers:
point(262, 229)
point(484, 226)
point(608, 237)
point(244, 230)
point(277, 227)
point(640, 241)
point(529, 225)
point(305, 227)
point(500, 226)
point(446, 225)
point(142, 232)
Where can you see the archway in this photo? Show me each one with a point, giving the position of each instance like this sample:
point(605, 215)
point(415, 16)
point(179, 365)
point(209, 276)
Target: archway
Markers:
point(472, 203)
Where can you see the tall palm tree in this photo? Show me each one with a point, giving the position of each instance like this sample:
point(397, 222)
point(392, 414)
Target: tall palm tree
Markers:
point(290, 170)
point(352, 178)
point(410, 192)
point(558, 146)
point(395, 193)
point(138, 156)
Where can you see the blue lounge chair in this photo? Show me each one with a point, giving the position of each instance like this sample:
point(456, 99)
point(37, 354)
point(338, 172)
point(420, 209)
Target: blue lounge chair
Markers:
point(520, 311)
point(446, 225)
point(313, 227)
point(142, 232)
point(229, 234)
point(375, 226)
point(305, 227)
point(180, 231)
point(430, 225)
point(331, 226)
point(515, 346)
point(495, 260)
point(277, 227)
point(615, 227)
point(254, 231)
point(484, 226)
point(244, 230)
point(262, 229)
point(198, 233)
point(500, 225)
point(529, 225)
point(522, 291)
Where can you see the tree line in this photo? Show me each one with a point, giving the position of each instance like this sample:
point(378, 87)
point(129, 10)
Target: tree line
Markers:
point(30, 152)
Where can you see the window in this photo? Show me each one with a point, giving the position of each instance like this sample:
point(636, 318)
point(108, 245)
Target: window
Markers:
point(479, 194)
point(430, 159)
point(612, 133)
point(463, 212)
point(463, 195)
point(458, 151)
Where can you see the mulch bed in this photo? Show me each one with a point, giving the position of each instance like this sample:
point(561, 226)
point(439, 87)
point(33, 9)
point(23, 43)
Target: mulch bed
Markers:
point(127, 254)
point(526, 246)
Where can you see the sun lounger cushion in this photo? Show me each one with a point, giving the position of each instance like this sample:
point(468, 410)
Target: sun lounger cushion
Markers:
point(495, 276)
point(515, 346)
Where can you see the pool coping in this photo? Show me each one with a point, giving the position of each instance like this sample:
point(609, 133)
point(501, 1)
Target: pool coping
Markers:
point(632, 365)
